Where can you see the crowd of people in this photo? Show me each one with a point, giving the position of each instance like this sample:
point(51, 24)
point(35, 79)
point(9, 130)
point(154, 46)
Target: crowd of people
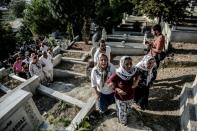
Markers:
point(33, 59)
point(128, 85)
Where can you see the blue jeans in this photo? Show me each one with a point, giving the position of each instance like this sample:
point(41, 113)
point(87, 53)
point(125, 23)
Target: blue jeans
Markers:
point(104, 101)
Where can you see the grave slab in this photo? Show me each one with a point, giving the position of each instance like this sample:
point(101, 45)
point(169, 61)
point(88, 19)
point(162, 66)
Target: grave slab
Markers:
point(18, 112)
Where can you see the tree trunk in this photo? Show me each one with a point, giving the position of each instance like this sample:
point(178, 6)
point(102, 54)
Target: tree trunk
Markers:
point(86, 29)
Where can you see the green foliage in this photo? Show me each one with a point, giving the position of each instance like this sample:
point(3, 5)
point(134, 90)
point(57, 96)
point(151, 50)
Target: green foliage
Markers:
point(170, 10)
point(39, 19)
point(70, 31)
point(51, 42)
point(65, 121)
point(73, 12)
point(17, 7)
point(111, 13)
point(5, 2)
point(85, 124)
point(7, 38)
point(23, 34)
point(63, 105)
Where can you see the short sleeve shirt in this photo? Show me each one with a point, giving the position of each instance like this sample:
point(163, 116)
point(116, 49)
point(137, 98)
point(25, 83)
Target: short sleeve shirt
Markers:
point(96, 78)
point(108, 51)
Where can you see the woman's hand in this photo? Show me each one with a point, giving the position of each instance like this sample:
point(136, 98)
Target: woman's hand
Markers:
point(136, 81)
point(111, 85)
point(121, 92)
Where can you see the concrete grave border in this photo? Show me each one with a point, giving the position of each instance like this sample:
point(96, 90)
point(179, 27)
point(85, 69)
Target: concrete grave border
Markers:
point(65, 73)
point(188, 106)
point(11, 104)
point(86, 108)
point(83, 58)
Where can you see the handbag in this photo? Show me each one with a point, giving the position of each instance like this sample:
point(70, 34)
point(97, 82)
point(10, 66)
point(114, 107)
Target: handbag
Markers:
point(162, 55)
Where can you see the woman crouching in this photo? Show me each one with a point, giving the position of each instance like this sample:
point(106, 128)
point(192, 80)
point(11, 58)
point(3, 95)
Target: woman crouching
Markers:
point(123, 82)
point(99, 75)
point(146, 69)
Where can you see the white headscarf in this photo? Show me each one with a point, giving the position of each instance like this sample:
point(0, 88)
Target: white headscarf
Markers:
point(144, 62)
point(121, 72)
point(102, 72)
point(143, 65)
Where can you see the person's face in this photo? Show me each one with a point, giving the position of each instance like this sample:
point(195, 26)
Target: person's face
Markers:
point(150, 64)
point(127, 65)
point(102, 46)
point(32, 55)
point(35, 60)
point(19, 60)
point(103, 62)
point(45, 54)
point(153, 32)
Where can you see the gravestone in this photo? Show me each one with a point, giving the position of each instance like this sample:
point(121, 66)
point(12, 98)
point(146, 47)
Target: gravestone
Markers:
point(18, 112)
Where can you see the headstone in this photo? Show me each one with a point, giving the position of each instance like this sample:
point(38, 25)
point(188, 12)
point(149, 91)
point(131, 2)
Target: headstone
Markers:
point(18, 112)
point(3, 73)
point(104, 34)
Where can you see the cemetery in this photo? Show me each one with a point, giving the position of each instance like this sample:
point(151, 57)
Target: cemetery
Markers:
point(68, 103)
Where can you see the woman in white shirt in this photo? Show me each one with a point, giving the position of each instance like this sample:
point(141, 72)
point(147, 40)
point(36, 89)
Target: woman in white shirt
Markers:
point(99, 75)
point(46, 61)
point(35, 68)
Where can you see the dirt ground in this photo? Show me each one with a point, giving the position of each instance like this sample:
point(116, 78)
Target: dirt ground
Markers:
point(57, 113)
point(163, 111)
point(72, 67)
point(73, 55)
point(75, 86)
point(81, 46)
point(11, 83)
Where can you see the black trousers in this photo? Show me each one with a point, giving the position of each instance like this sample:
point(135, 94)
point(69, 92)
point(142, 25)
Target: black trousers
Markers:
point(141, 96)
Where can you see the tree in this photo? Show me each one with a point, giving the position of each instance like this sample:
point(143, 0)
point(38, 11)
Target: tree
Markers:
point(17, 7)
point(169, 10)
point(39, 19)
point(109, 13)
point(7, 38)
point(4, 2)
point(77, 13)
point(23, 34)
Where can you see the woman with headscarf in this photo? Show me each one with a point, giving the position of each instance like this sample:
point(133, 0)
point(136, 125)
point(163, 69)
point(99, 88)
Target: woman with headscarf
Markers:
point(100, 73)
point(145, 68)
point(123, 82)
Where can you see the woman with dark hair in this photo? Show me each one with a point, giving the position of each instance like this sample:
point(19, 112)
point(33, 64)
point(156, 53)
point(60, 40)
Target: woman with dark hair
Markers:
point(157, 45)
point(123, 82)
point(99, 75)
point(17, 66)
point(145, 68)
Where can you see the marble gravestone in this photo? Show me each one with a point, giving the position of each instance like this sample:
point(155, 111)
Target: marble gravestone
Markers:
point(18, 112)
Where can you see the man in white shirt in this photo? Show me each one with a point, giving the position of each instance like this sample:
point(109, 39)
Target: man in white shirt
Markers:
point(102, 49)
point(46, 61)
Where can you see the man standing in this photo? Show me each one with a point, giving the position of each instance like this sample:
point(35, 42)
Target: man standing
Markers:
point(103, 48)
